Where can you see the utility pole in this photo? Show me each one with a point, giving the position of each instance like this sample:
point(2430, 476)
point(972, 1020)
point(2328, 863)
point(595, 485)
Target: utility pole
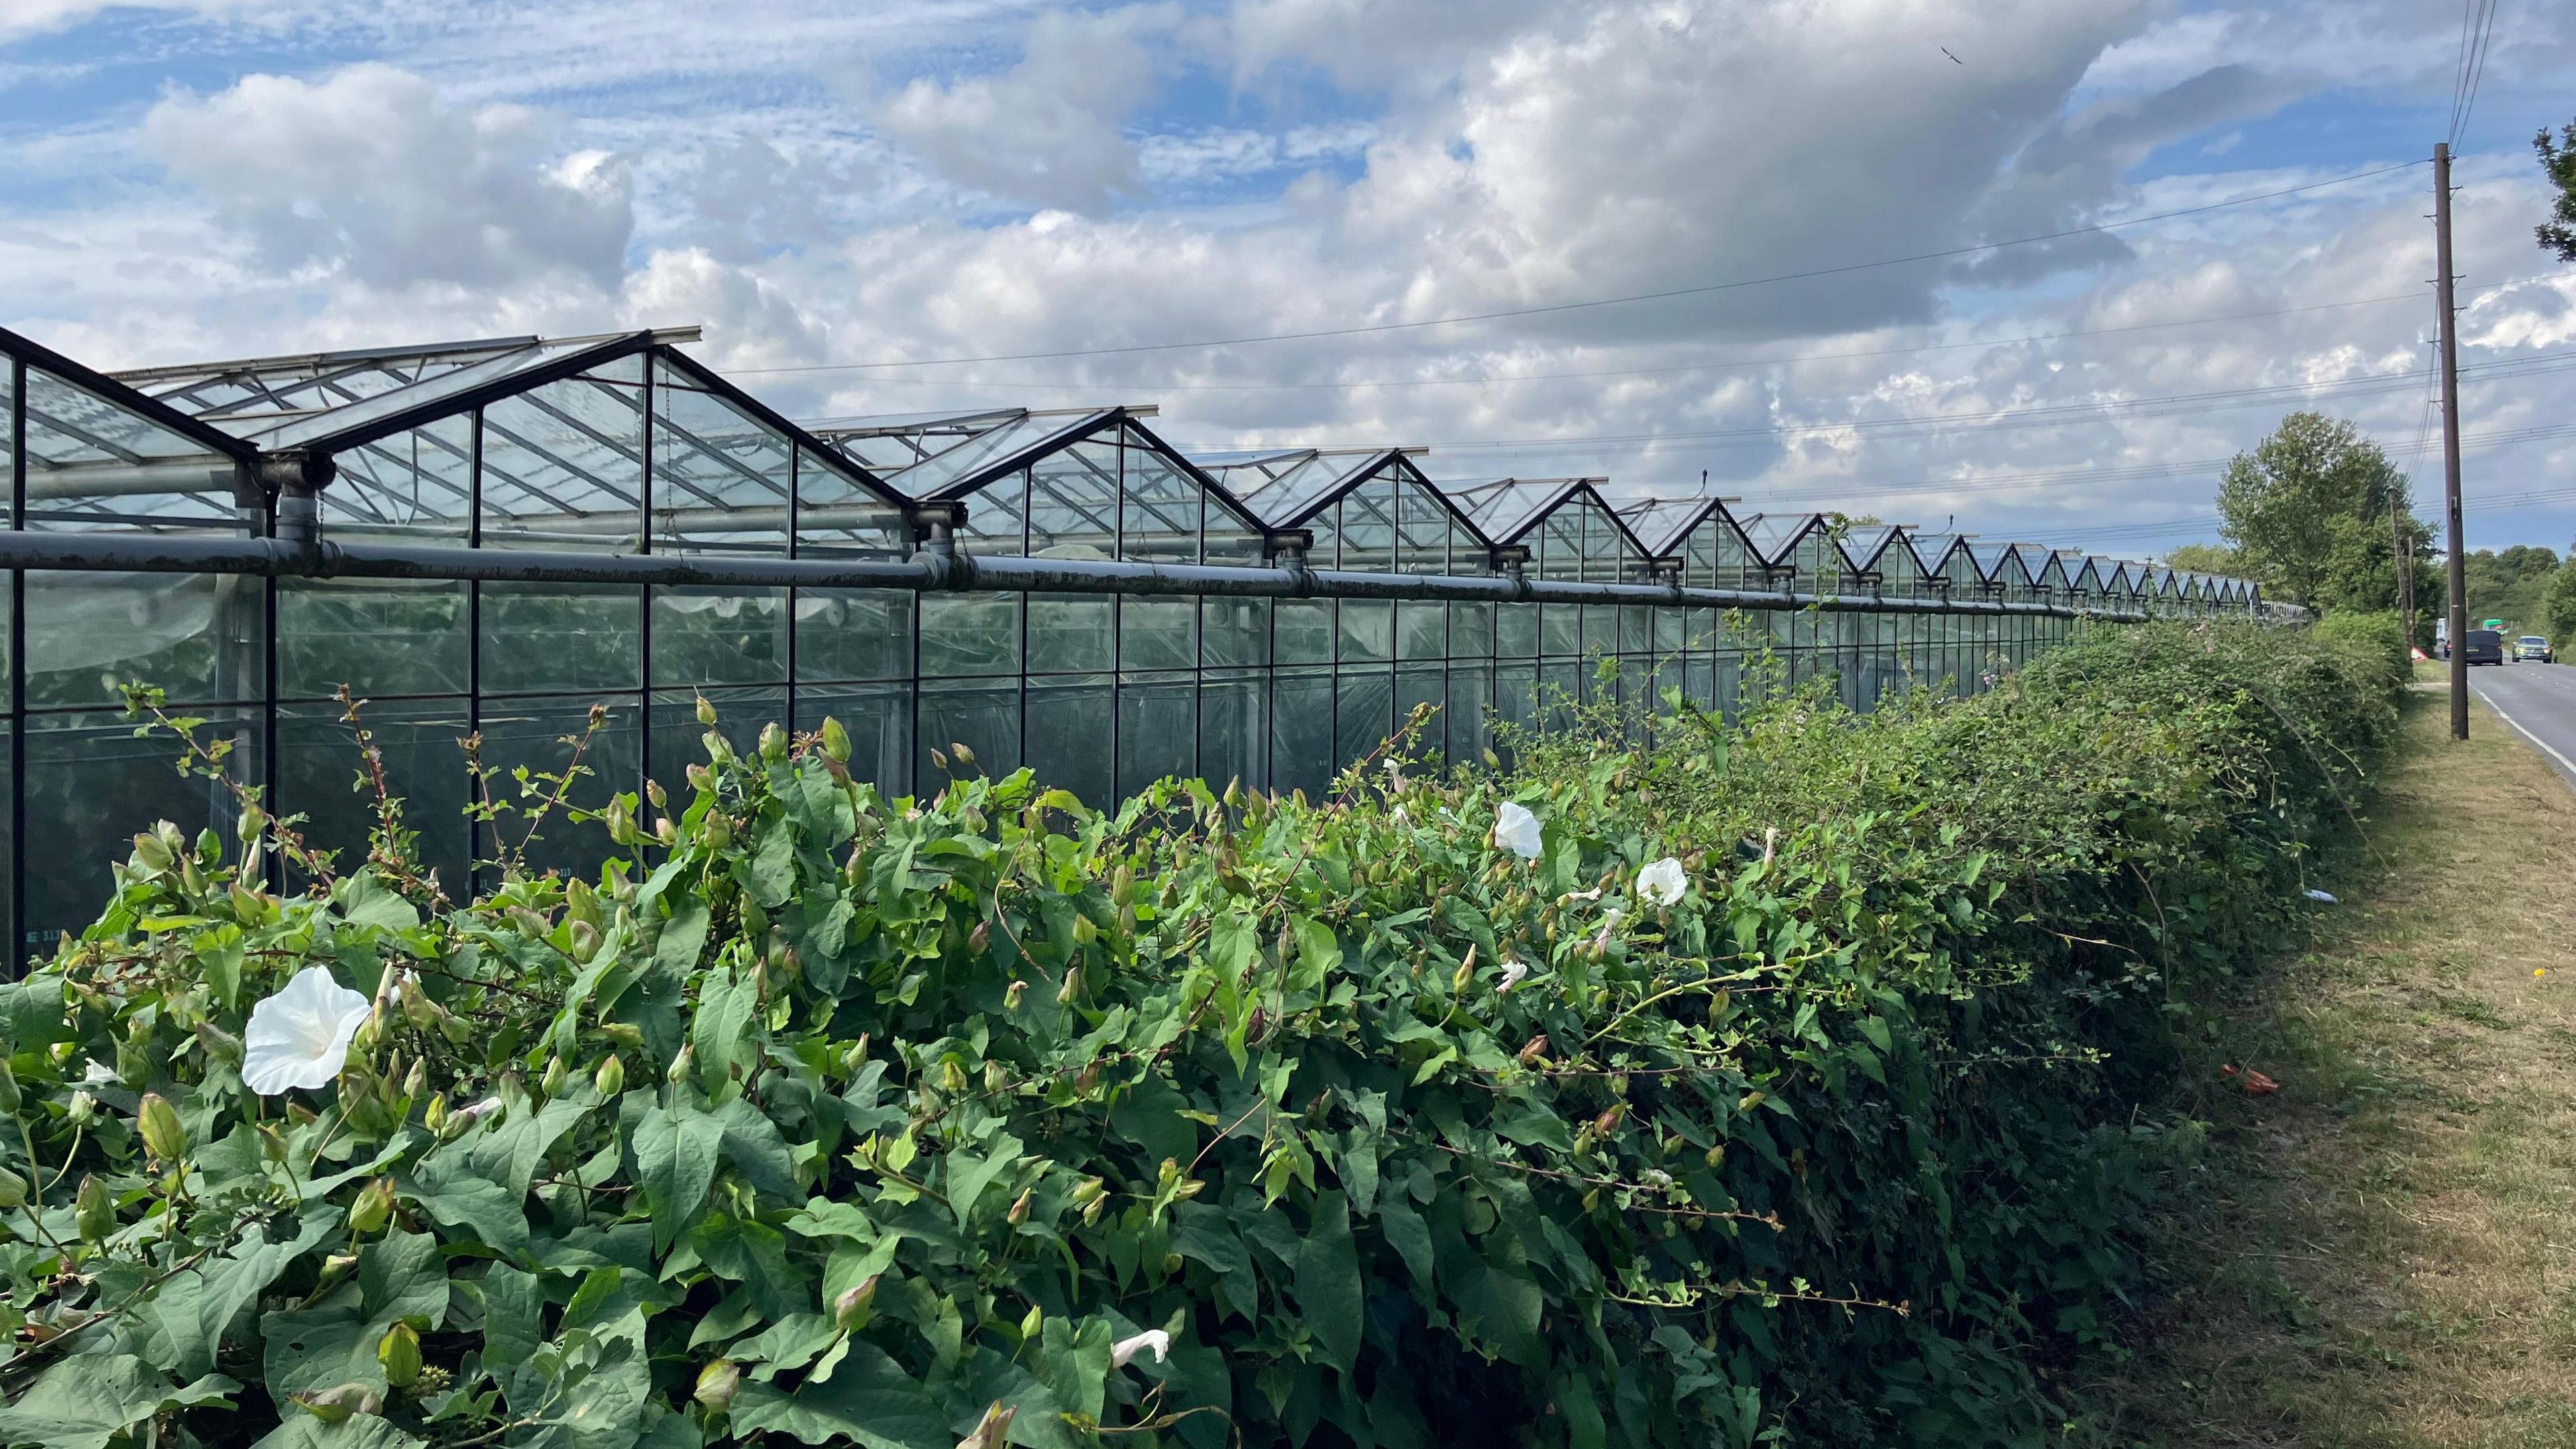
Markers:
point(2451, 438)
point(2403, 552)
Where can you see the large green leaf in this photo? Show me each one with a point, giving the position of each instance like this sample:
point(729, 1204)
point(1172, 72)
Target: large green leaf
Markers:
point(84, 1401)
point(188, 1315)
point(1328, 1281)
point(299, 1430)
point(676, 1151)
point(868, 1400)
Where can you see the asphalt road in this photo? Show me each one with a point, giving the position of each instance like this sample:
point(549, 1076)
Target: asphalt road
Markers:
point(2538, 702)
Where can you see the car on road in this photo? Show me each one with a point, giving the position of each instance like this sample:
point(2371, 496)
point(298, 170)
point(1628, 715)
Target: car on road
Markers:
point(2534, 647)
point(2484, 646)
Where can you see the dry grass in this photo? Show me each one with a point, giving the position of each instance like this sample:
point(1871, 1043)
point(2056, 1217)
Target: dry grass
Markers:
point(2385, 1251)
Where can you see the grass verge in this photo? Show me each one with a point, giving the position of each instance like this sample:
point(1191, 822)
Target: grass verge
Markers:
point(2383, 1252)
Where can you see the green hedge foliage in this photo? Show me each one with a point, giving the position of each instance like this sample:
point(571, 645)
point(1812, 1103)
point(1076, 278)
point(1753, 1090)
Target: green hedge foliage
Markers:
point(990, 1119)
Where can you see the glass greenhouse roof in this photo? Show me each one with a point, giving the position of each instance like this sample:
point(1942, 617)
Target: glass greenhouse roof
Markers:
point(1285, 487)
point(1863, 543)
point(1773, 535)
point(1661, 524)
point(1504, 509)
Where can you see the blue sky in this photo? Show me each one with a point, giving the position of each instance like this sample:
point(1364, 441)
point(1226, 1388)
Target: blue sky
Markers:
point(820, 185)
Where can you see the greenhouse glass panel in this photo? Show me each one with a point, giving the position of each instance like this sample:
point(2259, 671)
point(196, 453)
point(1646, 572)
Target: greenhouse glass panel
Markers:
point(1073, 502)
point(1233, 722)
point(1159, 508)
point(322, 776)
point(1301, 737)
point(853, 634)
point(198, 636)
point(555, 638)
point(1233, 631)
point(705, 636)
point(416, 486)
point(879, 720)
point(1471, 631)
point(1516, 631)
point(380, 637)
point(1069, 730)
point(563, 463)
point(1422, 629)
point(91, 784)
point(1368, 527)
point(93, 463)
point(997, 519)
point(1304, 630)
point(969, 634)
point(1367, 631)
point(1471, 701)
point(1073, 633)
point(534, 734)
point(982, 715)
point(1157, 633)
point(1363, 713)
point(1158, 724)
point(721, 479)
point(1417, 685)
point(1422, 530)
point(838, 518)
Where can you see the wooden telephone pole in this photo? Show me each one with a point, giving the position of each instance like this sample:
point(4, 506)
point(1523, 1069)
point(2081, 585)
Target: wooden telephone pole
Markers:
point(2451, 439)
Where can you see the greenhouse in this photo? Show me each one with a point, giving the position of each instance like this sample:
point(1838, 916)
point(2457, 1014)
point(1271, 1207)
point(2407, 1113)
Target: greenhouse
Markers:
point(486, 540)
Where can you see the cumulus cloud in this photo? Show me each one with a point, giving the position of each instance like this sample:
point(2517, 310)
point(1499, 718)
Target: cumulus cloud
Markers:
point(368, 173)
point(1048, 131)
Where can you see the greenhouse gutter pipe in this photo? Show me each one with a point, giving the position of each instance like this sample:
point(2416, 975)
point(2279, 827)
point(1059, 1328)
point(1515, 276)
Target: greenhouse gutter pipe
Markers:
point(935, 570)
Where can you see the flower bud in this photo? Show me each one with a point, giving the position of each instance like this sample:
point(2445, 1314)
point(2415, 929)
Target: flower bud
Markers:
point(1019, 1212)
point(656, 796)
point(251, 822)
point(1033, 1322)
point(773, 742)
point(718, 748)
point(667, 831)
point(1536, 1049)
point(717, 1384)
point(1608, 1121)
point(1011, 996)
point(151, 853)
point(220, 1044)
point(625, 1033)
point(850, 1310)
point(398, 1354)
point(683, 1066)
point(83, 1107)
point(1466, 973)
point(611, 1078)
point(855, 1059)
point(1088, 1191)
point(952, 1077)
point(416, 1081)
point(272, 1143)
point(13, 1190)
point(435, 1116)
point(717, 830)
point(1071, 991)
point(701, 778)
point(374, 1207)
point(706, 711)
point(996, 1077)
point(158, 1121)
point(9, 1094)
point(836, 740)
point(94, 1212)
point(584, 940)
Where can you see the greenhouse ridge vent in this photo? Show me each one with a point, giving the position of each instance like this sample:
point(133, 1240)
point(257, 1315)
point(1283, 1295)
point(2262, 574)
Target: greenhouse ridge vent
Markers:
point(488, 538)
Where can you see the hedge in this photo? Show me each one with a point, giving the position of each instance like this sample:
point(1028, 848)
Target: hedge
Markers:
point(1798, 1080)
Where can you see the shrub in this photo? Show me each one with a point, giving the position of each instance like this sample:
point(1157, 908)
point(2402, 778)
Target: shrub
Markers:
point(2383, 634)
point(989, 1118)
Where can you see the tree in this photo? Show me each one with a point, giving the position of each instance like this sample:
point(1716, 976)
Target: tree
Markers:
point(2558, 162)
point(2308, 513)
point(2207, 558)
point(2562, 604)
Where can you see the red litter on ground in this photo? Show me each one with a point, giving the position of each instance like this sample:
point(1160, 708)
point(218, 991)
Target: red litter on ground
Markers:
point(2255, 1083)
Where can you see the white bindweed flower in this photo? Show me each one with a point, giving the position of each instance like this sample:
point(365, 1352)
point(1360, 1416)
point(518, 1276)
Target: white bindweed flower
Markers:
point(478, 1111)
point(1124, 1351)
point(1516, 830)
point(1663, 882)
point(1514, 972)
point(98, 1073)
point(300, 1037)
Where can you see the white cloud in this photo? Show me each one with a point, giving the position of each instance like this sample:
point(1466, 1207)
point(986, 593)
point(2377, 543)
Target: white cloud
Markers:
point(1048, 130)
point(367, 173)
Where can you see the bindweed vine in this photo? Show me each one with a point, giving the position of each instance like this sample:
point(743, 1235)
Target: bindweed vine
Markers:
point(1790, 1079)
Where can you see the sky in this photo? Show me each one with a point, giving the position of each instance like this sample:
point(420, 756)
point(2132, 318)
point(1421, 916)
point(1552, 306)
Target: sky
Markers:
point(1428, 212)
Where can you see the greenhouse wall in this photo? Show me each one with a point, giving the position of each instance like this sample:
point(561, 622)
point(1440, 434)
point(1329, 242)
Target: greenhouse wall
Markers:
point(553, 449)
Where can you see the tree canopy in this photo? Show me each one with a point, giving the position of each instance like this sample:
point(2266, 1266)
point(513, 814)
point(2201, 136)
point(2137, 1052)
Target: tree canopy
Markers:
point(2308, 513)
point(2558, 162)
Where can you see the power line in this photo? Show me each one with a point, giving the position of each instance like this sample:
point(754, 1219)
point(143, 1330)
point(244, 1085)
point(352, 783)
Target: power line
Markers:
point(2484, 46)
point(1667, 295)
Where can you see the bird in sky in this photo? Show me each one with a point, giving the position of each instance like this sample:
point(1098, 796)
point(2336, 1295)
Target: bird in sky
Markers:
point(1954, 60)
